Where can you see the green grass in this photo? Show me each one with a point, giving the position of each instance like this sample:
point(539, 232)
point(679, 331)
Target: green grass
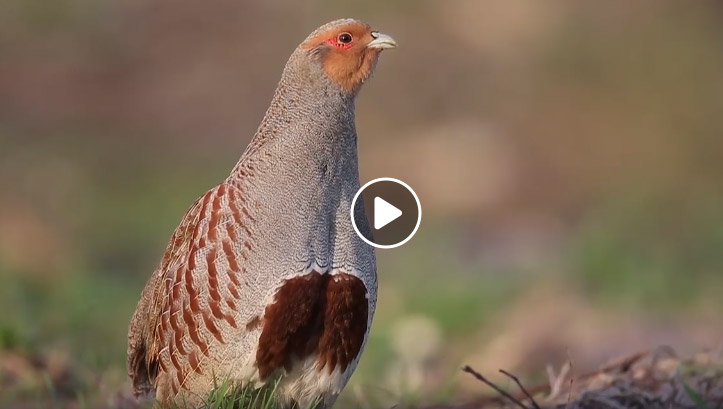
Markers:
point(226, 395)
point(700, 403)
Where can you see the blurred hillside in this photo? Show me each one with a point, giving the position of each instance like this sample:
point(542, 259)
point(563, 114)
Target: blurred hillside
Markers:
point(568, 156)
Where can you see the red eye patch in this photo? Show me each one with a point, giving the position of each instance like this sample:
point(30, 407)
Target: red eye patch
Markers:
point(335, 42)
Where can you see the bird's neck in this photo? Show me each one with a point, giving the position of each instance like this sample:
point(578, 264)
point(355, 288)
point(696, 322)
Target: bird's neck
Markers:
point(300, 171)
point(310, 124)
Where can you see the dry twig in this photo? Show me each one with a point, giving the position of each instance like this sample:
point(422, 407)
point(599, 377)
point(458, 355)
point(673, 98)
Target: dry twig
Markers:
point(499, 390)
point(522, 388)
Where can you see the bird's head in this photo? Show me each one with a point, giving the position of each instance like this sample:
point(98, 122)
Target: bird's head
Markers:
point(347, 51)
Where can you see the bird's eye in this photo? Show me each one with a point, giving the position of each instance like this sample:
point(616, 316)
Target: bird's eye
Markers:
point(345, 38)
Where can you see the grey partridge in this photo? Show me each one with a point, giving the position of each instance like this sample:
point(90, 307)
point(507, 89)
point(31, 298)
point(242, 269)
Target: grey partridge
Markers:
point(265, 279)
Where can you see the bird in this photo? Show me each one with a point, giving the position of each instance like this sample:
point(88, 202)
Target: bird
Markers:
point(264, 280)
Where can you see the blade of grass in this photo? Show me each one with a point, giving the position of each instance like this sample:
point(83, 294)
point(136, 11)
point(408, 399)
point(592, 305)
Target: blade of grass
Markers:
point(695, 397)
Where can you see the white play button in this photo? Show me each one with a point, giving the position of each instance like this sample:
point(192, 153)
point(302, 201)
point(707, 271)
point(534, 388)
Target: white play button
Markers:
point(384, 213)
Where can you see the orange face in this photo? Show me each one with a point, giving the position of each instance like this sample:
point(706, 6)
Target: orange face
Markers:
point(349, 52)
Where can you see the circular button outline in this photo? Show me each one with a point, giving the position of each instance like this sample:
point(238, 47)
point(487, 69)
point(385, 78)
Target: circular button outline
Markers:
point(387, 246)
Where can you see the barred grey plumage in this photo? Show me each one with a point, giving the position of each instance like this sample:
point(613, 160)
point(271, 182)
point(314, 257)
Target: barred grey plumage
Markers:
point(264, 278)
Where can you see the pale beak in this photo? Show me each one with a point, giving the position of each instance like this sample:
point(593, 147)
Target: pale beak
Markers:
point(381, 41)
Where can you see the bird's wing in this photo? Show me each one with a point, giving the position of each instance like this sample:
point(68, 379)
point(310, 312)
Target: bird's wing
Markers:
point(169, 309)
point(142, 348)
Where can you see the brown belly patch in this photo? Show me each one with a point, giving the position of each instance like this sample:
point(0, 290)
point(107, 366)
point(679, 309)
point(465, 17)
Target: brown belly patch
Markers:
point(315, 314)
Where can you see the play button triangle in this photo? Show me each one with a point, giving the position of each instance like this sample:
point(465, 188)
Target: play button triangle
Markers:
point(384, 213)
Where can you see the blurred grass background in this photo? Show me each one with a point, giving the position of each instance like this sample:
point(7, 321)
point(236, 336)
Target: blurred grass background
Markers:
point(568, 155)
